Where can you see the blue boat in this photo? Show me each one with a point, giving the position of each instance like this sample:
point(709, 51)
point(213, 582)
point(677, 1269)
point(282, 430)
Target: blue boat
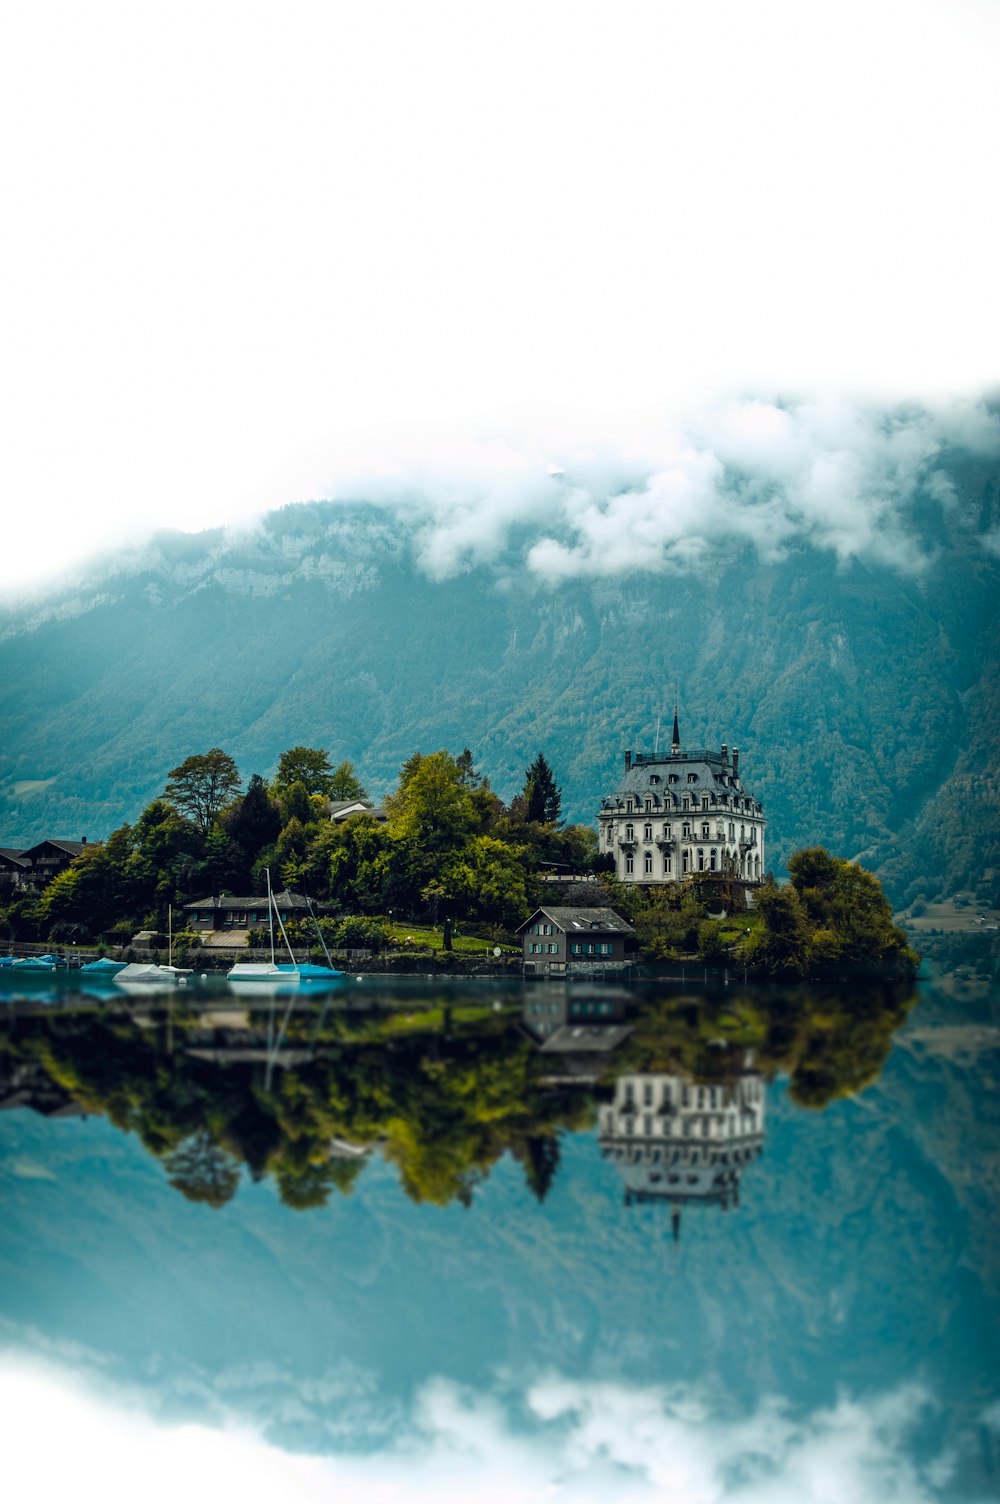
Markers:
point(103, 967)
point(38, 963)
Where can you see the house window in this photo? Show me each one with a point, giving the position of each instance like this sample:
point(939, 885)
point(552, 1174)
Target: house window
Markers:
point(629, 863)
point(701, 860)
point(732, 831)
point(605, 950)
point(704, 801)
point(576, 948)
point(704, 830)
point(647, 832)
point(687, 830)
point(630, 832)
point(648, 863)
point(686, 802)
point(667, 833)
point(686, 862)
point(714, 859)
point(553, 950)
point(649, 805)
point(628, 806)
point(666, 865)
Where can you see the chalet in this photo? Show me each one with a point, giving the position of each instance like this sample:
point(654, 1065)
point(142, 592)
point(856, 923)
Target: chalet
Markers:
point(46, 860)
point(13, 866)
point(559, 942)
point(681, 815)
point(231, 913)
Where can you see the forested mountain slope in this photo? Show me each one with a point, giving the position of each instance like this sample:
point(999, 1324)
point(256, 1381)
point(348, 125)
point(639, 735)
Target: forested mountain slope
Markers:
point(862, 696)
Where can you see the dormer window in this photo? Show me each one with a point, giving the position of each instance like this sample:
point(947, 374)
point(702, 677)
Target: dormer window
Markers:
point(628, 806)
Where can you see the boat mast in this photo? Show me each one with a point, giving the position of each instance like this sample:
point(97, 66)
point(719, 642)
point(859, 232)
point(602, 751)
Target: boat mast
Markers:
point(281, 926)
point(270, 912)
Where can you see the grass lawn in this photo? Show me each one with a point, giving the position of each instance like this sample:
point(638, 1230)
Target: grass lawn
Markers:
point(434, 937)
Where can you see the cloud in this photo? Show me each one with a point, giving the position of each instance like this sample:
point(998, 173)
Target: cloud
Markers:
point(675, 492)
point(561, 1439)
point(570, 498)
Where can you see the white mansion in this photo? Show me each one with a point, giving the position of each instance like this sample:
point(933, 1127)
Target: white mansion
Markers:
point(682, 815)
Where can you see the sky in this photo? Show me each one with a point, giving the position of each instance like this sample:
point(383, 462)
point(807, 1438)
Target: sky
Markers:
point(245, 245)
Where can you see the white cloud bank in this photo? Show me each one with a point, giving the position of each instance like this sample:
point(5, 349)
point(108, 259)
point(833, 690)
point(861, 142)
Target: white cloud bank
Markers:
point(581, 1442)
point(835, 475)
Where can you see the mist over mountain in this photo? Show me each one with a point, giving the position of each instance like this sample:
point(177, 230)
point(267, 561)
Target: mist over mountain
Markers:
point(821, 585)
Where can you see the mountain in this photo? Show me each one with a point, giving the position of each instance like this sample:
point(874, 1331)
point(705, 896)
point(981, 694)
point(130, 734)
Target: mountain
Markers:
point(862, 692)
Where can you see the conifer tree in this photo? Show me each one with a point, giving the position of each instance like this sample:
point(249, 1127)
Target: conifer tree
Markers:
point(542, 795)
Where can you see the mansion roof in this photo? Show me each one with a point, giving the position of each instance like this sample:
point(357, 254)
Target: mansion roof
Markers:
point(665, 780)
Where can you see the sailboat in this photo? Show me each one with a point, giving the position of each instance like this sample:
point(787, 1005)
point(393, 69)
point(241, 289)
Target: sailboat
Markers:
point(286, 972)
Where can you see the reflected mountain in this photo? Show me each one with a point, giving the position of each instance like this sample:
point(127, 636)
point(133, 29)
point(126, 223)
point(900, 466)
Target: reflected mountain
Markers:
point(306, 1090)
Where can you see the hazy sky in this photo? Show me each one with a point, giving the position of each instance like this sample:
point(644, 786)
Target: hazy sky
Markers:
point(242, 240)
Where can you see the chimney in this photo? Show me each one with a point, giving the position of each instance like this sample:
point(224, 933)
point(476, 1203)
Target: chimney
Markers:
point(725, 753)
point(736, 761)
point(628, 759)
point(83, 840)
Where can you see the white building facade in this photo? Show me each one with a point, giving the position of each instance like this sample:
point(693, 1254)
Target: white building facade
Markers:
point(681, 815)
point(683, 1141)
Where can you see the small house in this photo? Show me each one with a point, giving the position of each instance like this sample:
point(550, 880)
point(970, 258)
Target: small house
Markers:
point(227, 912)
point(559, 942)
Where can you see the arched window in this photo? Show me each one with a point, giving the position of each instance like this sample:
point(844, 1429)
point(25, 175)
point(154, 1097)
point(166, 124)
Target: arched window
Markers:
point(648, 863)
point(630, 832)
point(714, 859)
point(666, 865)
point(686, 861)
point(629, 863)
point(701, 860)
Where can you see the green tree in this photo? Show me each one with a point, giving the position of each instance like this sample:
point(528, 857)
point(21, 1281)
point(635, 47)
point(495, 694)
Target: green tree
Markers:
point(542, 796)
point(345, 783)
point(202, 784)
point(307, 765)
point(252, 823)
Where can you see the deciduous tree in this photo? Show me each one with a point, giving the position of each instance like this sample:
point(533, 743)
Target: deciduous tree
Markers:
point(202, 784)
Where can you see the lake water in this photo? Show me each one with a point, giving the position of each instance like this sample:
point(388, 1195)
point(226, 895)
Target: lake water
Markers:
point(428, 1238)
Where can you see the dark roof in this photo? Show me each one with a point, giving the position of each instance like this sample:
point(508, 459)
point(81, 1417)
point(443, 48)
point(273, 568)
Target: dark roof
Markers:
point(72, 848)
point(651, 775)
point(12, 854)
point(229, 901)
point(603, 921)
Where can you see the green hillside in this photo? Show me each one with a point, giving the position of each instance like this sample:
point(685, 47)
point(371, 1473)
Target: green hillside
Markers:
point(863, 699)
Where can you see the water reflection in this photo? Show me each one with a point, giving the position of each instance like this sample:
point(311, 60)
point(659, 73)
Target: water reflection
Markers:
point(484, 1277)
point(216, 1082)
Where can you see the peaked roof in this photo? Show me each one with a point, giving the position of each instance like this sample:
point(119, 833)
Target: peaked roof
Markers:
point(568, 919)
point(73, 848)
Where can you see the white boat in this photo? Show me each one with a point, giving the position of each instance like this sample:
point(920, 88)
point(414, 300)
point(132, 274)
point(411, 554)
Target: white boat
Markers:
point(291, 972)
point(267, 971)
point(146, 971)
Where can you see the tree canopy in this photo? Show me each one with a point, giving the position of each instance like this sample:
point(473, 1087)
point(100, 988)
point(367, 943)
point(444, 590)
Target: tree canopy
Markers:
point(202, 784)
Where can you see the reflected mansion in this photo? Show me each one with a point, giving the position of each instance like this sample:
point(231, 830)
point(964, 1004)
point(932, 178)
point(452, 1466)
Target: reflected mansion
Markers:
point(683, 815)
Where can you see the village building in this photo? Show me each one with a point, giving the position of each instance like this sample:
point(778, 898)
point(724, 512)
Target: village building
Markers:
point(679, 1141)
point(559, 942)
point(683, 814)
point(13, 866)
point(231, 913)
point(339, 810)
point(47, 859)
